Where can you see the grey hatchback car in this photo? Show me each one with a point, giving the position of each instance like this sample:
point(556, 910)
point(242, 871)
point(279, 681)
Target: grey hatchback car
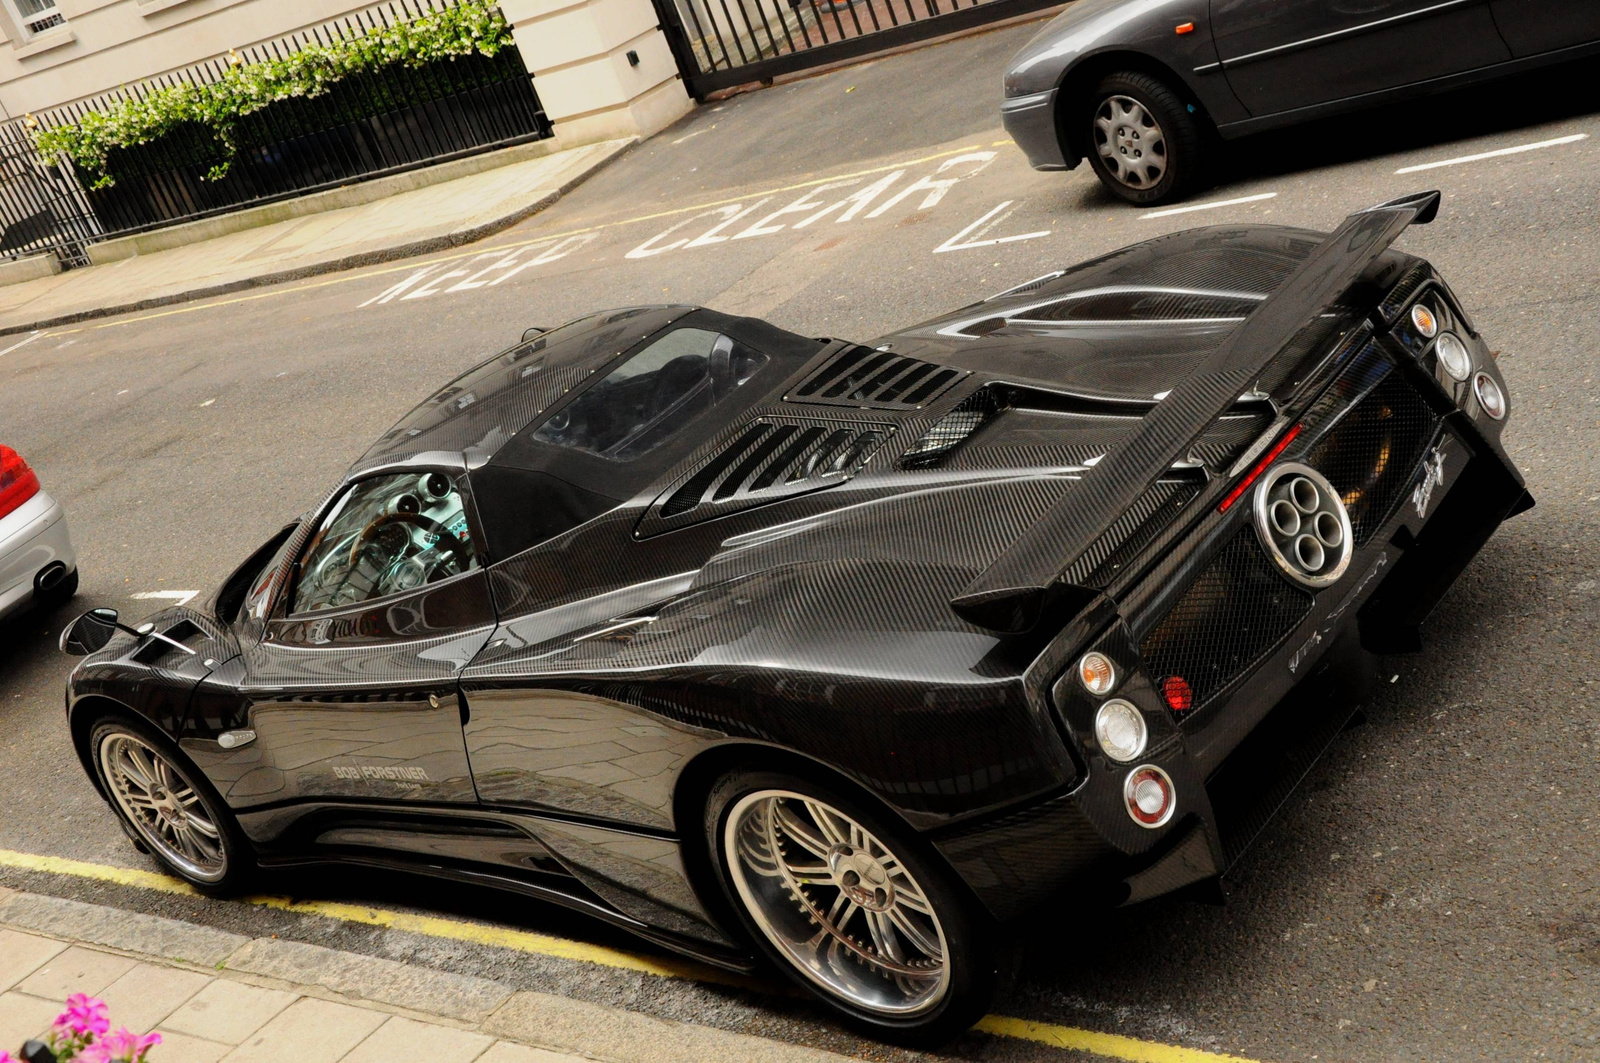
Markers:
point(1145, 88)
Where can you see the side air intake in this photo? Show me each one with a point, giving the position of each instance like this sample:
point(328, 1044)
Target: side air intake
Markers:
point(880, 380)
point(765, 461)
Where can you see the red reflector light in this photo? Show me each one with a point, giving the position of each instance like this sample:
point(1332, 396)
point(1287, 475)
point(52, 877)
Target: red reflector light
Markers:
point(1178, 693)
point(1184, 27)
point(1260, 467)
point(17, 482)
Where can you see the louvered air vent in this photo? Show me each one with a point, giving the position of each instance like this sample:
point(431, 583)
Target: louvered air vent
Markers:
point(862, 377)
point(766, 461)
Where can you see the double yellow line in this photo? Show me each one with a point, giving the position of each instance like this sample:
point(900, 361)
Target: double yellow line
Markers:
point(1113, 1046)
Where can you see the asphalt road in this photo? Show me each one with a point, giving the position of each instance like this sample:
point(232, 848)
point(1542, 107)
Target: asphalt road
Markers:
point(1431, 893)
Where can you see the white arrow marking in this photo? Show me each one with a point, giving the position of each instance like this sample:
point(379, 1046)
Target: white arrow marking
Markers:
point(955, 242)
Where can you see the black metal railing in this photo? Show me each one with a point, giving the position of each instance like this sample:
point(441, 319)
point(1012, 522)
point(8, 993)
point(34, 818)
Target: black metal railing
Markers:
point(369, 125)
point(722, 43)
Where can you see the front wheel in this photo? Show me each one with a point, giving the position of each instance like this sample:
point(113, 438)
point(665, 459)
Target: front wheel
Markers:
point(1145, 143)
point(849, 906)
point(171, 808)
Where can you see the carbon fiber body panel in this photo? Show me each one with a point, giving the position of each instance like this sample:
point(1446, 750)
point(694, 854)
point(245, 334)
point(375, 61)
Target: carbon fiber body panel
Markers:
point(762, 574)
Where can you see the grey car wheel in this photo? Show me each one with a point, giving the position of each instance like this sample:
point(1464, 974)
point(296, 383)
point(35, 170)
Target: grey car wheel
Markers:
point(163, 806)
point(852, 904)
point(1130, 142)
point(1144, 141)
point(170, 808)
point(837, 902)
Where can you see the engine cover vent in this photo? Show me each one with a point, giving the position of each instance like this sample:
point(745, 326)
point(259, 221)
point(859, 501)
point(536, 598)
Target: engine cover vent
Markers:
point(880, 380)
point(764, 461)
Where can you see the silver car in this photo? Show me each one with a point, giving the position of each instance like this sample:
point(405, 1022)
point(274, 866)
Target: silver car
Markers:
point(37, 562)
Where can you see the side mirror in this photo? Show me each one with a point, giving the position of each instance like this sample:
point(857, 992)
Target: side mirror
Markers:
point(89, 633)
point(533, 332)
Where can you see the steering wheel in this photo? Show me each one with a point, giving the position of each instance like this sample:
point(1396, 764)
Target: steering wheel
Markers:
point(447, 538)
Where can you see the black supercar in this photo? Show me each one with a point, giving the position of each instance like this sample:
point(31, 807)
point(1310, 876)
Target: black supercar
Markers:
point(842, 656)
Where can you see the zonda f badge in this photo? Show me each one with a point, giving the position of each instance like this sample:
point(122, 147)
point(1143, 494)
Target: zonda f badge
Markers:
point(1432, 476)
point(1303, 524)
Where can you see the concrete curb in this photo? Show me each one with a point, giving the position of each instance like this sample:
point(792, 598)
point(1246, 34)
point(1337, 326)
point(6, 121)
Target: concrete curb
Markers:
point(542, 1021)
point(129, 931)
point(350, 974)
point(366, 258)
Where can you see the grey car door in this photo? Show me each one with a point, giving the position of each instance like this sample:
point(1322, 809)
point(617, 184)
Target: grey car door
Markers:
point(1532, 27)
point(1280, 55)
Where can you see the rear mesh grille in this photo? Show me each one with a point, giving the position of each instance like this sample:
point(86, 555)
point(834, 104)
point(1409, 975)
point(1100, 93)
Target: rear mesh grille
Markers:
point(862, 377)
point(1234, 613)
point(1371, 454)
point(765, 462)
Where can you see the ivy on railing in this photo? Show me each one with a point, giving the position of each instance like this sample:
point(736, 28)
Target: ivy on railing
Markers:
point(468, 27)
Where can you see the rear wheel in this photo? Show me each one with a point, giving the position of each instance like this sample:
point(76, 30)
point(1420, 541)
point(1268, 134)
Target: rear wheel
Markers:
point(849, 906)
point(170, 807)
point(1145, 143)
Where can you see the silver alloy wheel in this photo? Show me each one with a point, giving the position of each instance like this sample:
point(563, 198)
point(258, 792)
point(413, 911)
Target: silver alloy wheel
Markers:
point(163, 806)
point(1130, 142)
point(837, 902)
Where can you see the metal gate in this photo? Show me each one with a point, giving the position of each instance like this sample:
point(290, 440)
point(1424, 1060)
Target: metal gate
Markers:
point(721, 43)
point(368, 125)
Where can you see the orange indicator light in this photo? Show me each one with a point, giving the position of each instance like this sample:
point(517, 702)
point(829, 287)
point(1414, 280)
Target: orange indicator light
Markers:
point(1184, 27)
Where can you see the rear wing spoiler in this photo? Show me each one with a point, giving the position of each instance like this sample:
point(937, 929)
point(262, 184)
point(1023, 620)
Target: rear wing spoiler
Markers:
point(1009, 596)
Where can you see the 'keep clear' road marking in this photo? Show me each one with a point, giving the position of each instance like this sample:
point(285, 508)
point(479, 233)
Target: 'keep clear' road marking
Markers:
point(1208, 206)
point(1519, 149)
point(175, 597)
point(742, 219)
point(1113, 1046)
point(959, 241)
point(506, 264)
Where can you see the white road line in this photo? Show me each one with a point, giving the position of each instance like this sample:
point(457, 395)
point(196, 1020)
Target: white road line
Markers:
point(175, 597)
point(955, 242)
point(31, 337)
point(1209, 206)
point(1557, 142)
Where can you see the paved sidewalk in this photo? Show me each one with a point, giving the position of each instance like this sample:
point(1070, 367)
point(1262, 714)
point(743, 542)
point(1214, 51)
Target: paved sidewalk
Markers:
point(216, 996)
point(413, 222)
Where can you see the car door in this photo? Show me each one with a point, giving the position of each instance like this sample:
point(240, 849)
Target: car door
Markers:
point(1532, 27)
point(353, 685)
point(1280, 55)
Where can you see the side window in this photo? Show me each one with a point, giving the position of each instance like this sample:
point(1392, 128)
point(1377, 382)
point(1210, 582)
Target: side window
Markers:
point(386, 535)
point(642, 402)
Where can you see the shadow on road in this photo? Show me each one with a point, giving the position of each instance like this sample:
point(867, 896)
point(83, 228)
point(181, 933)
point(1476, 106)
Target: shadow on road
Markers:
point(1537, 98)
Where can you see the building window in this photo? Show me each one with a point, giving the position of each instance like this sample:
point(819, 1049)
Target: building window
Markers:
point(36, 16)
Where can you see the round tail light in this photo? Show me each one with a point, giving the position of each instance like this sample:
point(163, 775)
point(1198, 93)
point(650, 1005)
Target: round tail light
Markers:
point(1490, 397)
point(1150, 797)
point(1453, 356)
point(1424, 320)
point(1097, 673)
point(1120, 729)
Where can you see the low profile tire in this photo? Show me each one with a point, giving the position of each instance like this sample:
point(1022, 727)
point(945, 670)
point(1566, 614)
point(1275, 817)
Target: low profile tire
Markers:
point(1142, 139)
point(168, 805)
point(851, 907)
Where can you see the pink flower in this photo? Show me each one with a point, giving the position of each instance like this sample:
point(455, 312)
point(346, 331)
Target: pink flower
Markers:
point(85, 1017)
point(5, 1057)
point(124, 1046)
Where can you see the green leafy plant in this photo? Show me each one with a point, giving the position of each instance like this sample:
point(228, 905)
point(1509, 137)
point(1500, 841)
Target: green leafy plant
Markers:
point(468, 27)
